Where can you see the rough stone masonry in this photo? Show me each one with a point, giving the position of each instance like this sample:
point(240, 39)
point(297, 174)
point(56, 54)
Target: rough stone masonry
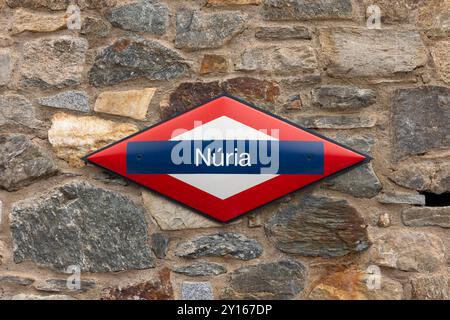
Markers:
point(65, 92)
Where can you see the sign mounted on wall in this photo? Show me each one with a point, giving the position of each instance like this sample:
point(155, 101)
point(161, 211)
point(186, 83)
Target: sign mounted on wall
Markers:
point(225, 158)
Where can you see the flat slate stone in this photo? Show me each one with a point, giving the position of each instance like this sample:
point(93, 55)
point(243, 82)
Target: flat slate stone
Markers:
point(336, 122)
point(196, 30)
point(97, 229)
point(71, 100)
point(283, 33)
point(200, 269)
point(306, 9)
point(402, 198)
point(342, 97)
point(16, 110)
point(319, 227)
point(225, 244)
point(427, 217)
point(22, 162)
point(420, 120)
point(132, 58)
point(146, 16)
point(274, 280)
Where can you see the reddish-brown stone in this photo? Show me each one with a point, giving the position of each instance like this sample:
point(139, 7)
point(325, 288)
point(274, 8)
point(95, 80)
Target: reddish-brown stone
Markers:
point(213, 63)
point(252, 88)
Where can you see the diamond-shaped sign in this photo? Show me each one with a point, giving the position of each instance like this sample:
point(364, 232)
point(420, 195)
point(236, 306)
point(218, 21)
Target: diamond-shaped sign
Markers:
point(225, 158)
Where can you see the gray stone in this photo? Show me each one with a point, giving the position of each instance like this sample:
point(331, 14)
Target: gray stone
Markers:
point(402, 198)
point(22, 162)
point(342, 97)
point(196, 291)
point(420, 120)
point(300, 58)
point(71, 100)
point(226, 244)
point(16, 110)
point(345, 52)
point(60, 4)
point(427, 216)
point(160, 244)
point(336, 122)
point(23, 296)
point(61, 285)
point(360, 182)
point(428, 175)
point(283, 33)
point(318, 226)
point(5, 66)
point(273, 280)
point(201, 269)
point(97, 229)
point(67, 56)
point(146, 16)
point(131, 58)
point(95, 27)
point(306, 9)
point(431, 287)
point(16, 280)
point(407, 250)
point(196, 30)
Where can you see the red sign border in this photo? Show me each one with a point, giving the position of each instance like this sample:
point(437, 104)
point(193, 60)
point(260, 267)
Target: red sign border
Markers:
point(367, 158)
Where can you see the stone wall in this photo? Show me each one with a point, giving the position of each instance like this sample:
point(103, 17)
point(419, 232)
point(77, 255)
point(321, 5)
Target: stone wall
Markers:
point(65, 92)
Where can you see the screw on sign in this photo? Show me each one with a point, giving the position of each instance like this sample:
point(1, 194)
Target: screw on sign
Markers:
point(225, 158)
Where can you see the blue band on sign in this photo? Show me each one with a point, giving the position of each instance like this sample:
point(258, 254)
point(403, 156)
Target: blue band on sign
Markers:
point(225, 157)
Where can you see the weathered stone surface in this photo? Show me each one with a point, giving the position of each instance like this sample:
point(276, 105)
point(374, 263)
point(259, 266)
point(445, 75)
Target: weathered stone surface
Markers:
point(336, 122)
point(431, 287)
point(224, 244)
point(361, 182)
point(132, 103)
point(252, 89)
point(131, 58)
point(273, 280)
point(3, 252)
point(22, 162)
point(146, 16)
point(95, 27)
point(427, 216)
point(408, 251)
point(160, 244)
point(440, 53)
point(281, 60)
point(16, 280)
point(213, 63)
point(354, 285)
point(191, 94)
point(402, 198)
point(342, 97)
point(23, 296)
point(420, 120)
point(67, 55)
point(5, 41)
point(73, 137)
point(60, 4)
point(384, 220)
point(5, 66)
point(430, 176)
point(434, 17)
point(97, 229)
point(30, 21)
point(71, 100)
point(170, 215)
point(293, 103)
point(283, 33)
point(391, 53)
point(306, 9)
point(197, 291)
point(159, 288)
point(17, 110)
point(196, 30)
point(232, 2)
point(402, 11)
point(201, 269)
point(60, 285)
point(318, 226)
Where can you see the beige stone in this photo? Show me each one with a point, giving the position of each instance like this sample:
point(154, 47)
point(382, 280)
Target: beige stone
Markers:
point(172, 216)
point(368, 53)
point(357, 285)
point(72, 137)
point(233, 2)
point(441, 57)
point(5, 41)
point(132, 103)
point(5, 66)
point(37, 22)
